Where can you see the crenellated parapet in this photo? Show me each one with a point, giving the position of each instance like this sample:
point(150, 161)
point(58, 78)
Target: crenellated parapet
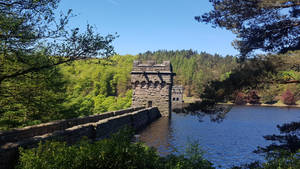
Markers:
point(151, 65)
point(152, 85)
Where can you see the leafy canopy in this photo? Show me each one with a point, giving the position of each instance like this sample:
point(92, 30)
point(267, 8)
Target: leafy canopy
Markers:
point(32, 42)
point(267, 25)
point(30, 26)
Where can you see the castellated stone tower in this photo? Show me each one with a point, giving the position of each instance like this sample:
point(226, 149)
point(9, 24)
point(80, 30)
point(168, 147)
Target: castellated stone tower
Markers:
point(177, 94)
point(152, 85)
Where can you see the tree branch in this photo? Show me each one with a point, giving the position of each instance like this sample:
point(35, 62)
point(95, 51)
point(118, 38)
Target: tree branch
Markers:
point(276, 6)
point(33, 69)
point(9, 4)
point(291, 81)
point(281, 82)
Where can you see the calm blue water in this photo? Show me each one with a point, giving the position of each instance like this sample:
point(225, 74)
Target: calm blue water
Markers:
point(227, 143)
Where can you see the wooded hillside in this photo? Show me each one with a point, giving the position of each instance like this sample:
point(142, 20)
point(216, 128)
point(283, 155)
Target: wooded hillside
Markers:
point(86, 87)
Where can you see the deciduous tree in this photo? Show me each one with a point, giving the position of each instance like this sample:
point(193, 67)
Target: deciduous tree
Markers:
point(28, 26)
point(33, 41)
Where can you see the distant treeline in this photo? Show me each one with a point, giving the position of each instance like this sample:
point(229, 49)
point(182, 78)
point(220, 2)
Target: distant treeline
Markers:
point(70, 90)
point(264, 79)
point(93, 86)
point(194, 70)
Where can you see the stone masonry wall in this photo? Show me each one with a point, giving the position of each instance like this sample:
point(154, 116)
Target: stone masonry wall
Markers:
point(94, 127)
point(177, 94)
point(152, 85)
point(35, 130)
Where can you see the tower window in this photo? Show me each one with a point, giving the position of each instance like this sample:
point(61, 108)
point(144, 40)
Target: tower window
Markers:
point(149, 103)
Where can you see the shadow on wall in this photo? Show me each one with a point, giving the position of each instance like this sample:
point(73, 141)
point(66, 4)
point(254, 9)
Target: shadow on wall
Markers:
point(93, 127)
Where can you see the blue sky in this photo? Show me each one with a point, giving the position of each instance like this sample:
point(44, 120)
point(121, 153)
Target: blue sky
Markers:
point(151, 24)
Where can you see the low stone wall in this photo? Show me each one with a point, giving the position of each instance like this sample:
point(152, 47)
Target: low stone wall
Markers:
point(41, 129)
point(94, 127)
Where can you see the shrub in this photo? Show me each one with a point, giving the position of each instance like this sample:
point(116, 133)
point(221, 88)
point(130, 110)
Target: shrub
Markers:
point(268, 95)
point(253, 98)
point(283, 159)
point(288, 98)
point(278, 160)
point(240, 99)
point(115, 153)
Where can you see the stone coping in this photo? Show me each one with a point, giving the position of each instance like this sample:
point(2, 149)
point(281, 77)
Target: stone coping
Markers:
point(49, 127)
point(31, 141)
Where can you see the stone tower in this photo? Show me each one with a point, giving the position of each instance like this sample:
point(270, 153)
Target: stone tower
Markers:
point(177, 94)
point(152, 85)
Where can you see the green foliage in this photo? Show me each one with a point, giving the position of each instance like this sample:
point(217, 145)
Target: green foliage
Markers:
point(69, 90)
point(115, 153)
point(119, 152)
point(32, 98)
point(278, 160)
point(98, 85)
point(269, 75)
point(94, 86)
point(268, 25)
point(284, 160)
point(33, 41)
point(192, 158)
point(29, 27)
point(194, 70)
point(289, 75)
point(269, 93)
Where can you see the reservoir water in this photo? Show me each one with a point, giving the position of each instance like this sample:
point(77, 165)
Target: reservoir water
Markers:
point(226, 143)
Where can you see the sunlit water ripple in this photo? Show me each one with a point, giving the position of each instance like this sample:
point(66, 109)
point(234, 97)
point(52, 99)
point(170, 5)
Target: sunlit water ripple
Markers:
point(225, 144)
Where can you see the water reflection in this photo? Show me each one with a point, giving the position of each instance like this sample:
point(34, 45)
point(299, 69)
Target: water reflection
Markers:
point(216, 113)
point(228, 143)
point(159, 135)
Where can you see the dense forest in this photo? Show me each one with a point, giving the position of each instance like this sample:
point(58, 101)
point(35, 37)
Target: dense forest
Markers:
point(69, 90)
point(194, 70)
point(52, 71)
point(93, 86)
point(266, 79)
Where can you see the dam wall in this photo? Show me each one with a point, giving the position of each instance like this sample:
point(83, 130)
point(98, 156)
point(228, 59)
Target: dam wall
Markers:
point(94, 127)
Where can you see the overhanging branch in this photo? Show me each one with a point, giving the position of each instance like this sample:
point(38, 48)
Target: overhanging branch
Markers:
point(278, 6)
point(33, 69)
